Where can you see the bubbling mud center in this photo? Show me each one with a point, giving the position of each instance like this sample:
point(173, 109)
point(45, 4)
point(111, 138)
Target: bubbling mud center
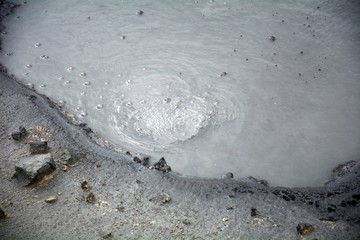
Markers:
point(269, 89)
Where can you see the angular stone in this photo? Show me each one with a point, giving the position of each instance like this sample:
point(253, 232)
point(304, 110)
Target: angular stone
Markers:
point(16, 136)
point(162, 165)
point(38, 147)
point(35, 167)
point(51, 199)
point(2, 214)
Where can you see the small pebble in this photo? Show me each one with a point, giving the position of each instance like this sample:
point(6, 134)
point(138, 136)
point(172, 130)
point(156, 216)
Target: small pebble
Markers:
point(272, 38)
point(140, 12)
point(51, 199)
point(223, 74)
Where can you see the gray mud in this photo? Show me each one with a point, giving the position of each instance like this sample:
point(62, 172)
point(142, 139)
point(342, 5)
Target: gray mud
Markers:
point(132, 201)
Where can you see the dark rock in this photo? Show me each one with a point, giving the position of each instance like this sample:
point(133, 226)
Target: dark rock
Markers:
point(140, 12)
point(272, 38)
point(301, 52)
point(85, 185)
point(38, 147)
point(137, 160)
point(227, 175)
point(223, 74)
point(2, 214)
point(34, 167)
point(254, 212)
point(90, 198)
point(22, 130)
point(162, 165)
point(305, 229)
point(145, 161)
point(16, 135)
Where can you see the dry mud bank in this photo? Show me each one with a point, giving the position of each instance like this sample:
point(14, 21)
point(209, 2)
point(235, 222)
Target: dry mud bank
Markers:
point(132, 201)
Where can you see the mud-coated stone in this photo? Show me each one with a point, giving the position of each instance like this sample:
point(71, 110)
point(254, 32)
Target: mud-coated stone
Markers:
point(2, 214)
point(16, 135)
point(34, 167)
point(162, 165)
point(38, 147)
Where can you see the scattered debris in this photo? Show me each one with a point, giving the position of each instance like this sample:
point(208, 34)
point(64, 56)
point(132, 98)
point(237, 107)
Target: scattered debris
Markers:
point(38, 147)
point(223, 74)
point(51, 199)
point(144, 161)
point(186, 222)
point(2, 214)
point(107, 236)
point(120, 208)
point(90, 198)
point(161, 199)
point(305, 229)
point(85, 185)
point(272, 38)
point(227, 175)
point(34, 167)
point(162, 165)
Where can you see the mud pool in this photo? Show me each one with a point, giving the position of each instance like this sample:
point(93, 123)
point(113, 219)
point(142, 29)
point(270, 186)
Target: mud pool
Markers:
point(202, 83)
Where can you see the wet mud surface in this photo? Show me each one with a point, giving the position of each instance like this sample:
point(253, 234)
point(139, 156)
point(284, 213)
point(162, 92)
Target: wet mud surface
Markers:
point(97, 192)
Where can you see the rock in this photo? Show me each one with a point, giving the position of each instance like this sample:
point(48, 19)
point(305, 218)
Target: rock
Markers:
point(85, 185)
point(140, 12)
point(272, 38)
point(144, 161)
point(22, 130)
point(254, 212)
point(107, 236)
point(51, 199)
point(34, 167)
point(162, 165)
point(90, 198)
point(227, 175)
point(38, 147)
point(161, 199)
point(186, 222)
point(16, 135)
point(2, 214)
point(225, 219)
point(223, 74)
point(305, 229)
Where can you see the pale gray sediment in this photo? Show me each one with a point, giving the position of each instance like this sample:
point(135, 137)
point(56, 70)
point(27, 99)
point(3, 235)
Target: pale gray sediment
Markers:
point(126, 200)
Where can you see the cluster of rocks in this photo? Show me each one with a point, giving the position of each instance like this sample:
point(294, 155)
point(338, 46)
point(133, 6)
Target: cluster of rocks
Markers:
point(40, 161)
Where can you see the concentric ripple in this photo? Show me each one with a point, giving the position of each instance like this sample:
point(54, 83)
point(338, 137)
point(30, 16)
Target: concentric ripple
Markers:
point(256, 88)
